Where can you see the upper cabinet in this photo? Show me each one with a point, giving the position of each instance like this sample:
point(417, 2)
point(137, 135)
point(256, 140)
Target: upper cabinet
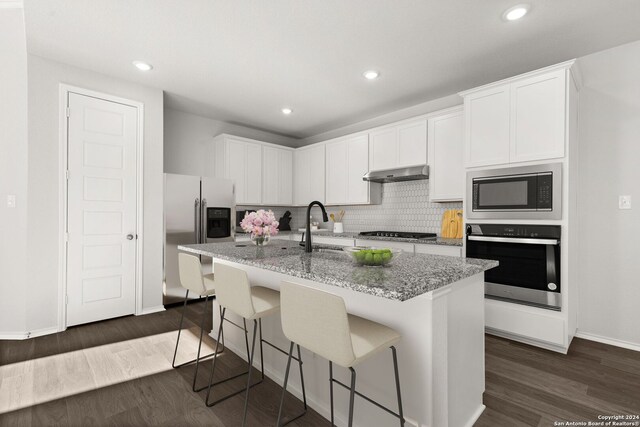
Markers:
point(517, 120)
point(308, 175)
point(240, 160)
point(446, 169)
point(403, 144)
point(347, 162)
point(277, 176)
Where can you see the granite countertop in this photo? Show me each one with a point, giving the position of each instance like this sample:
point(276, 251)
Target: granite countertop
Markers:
point(408, 276)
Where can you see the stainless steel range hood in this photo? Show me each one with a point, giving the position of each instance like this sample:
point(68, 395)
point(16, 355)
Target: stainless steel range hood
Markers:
point(410, 173)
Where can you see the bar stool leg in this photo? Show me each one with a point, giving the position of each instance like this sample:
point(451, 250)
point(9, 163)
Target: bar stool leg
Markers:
point(220, 307)
point(352, 395)
point(261, 349)
point(304, 393)
point(331, 390)
point(253, 350)
point(284, 385)
point(395, 370)
point(204, 316)
point(213, 366)
point(184, 308)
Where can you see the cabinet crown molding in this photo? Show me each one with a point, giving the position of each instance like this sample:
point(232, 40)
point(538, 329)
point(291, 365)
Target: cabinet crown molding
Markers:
point(563, 65)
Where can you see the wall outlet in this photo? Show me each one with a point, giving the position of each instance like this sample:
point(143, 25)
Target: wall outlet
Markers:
point(624, 202)
point(11, 201)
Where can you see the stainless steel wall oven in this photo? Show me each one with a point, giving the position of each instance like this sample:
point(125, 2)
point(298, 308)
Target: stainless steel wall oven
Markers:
point(529, 256)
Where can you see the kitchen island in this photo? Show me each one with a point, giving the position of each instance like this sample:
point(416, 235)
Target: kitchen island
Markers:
point(435, 302)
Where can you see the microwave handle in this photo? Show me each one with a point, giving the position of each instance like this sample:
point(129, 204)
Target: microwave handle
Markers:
point(515, 240)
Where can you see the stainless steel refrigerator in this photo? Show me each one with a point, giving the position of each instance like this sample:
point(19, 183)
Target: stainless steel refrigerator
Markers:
point(196, 210)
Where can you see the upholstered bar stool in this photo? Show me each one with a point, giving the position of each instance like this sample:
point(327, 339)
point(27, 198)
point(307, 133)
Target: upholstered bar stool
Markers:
point(192, 279)
point(235, 293)
point(319, 322)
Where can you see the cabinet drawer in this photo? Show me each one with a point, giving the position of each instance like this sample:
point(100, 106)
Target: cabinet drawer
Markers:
point(526, 322)
point(406, 247)
point(439, 250)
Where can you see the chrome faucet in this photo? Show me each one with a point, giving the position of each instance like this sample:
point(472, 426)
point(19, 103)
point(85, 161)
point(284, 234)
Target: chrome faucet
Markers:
point(325, 218)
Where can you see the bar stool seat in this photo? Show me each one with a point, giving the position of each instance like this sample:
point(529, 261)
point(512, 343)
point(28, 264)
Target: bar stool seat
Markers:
point(265, 301)
point(369, 337)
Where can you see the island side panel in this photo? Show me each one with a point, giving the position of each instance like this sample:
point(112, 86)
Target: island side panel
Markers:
point(412, 318)
point(466, 367)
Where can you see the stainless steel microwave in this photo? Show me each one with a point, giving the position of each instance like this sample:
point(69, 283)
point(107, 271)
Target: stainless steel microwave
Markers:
point(523, 192)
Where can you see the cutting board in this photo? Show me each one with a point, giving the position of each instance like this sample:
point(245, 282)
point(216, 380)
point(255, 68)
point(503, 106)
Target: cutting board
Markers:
point(452, 224)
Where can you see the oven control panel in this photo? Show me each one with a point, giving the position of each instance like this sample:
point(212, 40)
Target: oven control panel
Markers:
point(512, 230)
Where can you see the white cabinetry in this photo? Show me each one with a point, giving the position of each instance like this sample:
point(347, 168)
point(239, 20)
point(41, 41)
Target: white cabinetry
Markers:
point(277, 176)
point(309, 174)
point(446, 169)
point(240, 160)
point(405, 247)
point(439, 250)
point(403, 144)
point(516, 120)
point(347, 162)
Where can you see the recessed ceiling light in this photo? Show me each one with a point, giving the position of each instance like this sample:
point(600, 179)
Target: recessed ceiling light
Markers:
point(287, 111)
point(371, 75)
point(516, 12)
point(142, 66)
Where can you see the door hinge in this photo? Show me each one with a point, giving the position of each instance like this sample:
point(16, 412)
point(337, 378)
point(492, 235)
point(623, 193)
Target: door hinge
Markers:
point(66, 299)
point(66, 174)
point(68, 112)
point(66, 237)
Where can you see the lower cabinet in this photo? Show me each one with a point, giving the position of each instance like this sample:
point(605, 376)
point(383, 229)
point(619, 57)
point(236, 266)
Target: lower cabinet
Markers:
point(405, 247)
point(439, 250)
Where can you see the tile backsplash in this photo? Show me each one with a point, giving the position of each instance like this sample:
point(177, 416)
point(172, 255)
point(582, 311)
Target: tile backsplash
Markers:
point(405, 207)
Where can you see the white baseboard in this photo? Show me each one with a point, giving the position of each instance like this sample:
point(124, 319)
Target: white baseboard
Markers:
point(526, 340)
point(476, 416)
point(28, 334)
point(611, 341)
point(156, 309)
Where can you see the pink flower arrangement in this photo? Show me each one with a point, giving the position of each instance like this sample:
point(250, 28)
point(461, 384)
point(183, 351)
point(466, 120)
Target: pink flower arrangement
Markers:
point(260, 223)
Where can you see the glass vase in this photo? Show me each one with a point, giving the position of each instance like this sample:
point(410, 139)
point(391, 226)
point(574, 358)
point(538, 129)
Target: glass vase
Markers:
point(262, 240)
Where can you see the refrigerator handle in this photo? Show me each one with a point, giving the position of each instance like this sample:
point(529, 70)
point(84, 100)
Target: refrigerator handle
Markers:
point(203, 221)
point(196, 222)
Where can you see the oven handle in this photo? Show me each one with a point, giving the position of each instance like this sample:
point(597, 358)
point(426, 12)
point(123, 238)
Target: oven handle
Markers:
point(515, 240)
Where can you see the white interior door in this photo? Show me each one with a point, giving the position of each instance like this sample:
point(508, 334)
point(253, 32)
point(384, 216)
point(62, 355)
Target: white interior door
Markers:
point(101, 204)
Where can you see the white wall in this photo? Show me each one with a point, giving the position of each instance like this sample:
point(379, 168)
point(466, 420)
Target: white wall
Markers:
point(186, 137)
point(45, 77)
point(13, 172)
point(609, 260)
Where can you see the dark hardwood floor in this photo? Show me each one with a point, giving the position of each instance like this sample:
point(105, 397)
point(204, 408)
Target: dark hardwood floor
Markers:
point(526, 386)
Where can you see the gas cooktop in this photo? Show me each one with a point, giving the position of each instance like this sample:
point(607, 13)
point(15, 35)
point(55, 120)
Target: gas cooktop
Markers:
point(399, 234)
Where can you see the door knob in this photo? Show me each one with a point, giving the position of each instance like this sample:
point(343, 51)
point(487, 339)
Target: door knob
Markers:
point(129, 236)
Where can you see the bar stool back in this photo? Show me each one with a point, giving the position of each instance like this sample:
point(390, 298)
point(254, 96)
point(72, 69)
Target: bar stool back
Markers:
point(318, 321)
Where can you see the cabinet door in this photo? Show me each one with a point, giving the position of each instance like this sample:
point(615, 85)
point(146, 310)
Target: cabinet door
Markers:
point(285, 179)
point(316, 173)
point(337, 172)
point(253, 183)
point(538, 117)
point(487, 127)
point(384, 148)
point(270, 175)
point(412, 143)
point(358, 161)
point(446, 170)
point(300, 176)
point(236, 168)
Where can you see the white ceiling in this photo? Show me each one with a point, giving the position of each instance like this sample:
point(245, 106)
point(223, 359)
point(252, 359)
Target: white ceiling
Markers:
point(242, 61)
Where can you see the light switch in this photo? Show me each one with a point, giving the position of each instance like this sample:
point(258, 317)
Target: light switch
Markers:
point(11, 201)
point(624, 202)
